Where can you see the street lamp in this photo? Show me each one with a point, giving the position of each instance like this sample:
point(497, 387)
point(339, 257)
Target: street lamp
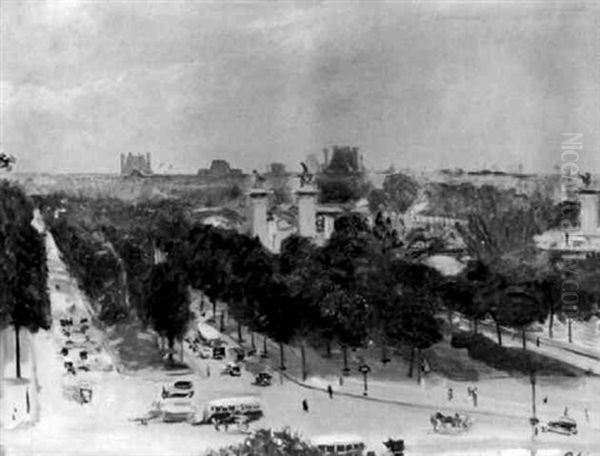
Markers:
point(533, 420)
point(364, 369)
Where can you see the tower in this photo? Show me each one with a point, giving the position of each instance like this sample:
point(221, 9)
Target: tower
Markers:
point(258, 215)
point(307, 209)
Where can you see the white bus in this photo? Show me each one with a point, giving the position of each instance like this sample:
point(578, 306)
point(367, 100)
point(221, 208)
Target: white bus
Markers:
point(339, 445)
point(220, 409)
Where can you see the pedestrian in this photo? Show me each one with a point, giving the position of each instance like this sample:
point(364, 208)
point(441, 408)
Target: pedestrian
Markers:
point(341, 381)
point(566, 412)
point(207, 370)
point(330, 391)
point(305, 405)
point(450, 394)
point(28, 404)
point(469, 391)
point(587, 415)
point(545, 399)
point(537, 342)
point(14, 414)
point(475, 397)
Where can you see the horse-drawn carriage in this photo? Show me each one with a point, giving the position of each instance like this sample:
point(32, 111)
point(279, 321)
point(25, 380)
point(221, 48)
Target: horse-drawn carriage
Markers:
point(263, 379)
point(450, 423)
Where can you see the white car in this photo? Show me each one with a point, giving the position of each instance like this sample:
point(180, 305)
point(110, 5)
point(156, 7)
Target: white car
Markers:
point(175, 410)
point(180, 388)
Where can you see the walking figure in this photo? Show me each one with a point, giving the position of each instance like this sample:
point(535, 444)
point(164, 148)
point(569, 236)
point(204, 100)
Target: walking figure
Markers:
point(474, 397)
point(537, 342)
point(587, 415)
point(450, 394)
point(566, 412)
point(207, 370)
point(341, 381)
point(28, 404)
point(305, 405)
point(545, 399)
point(330, 391)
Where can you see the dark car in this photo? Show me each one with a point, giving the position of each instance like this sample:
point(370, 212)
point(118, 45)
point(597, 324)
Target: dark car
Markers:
point(564, 425)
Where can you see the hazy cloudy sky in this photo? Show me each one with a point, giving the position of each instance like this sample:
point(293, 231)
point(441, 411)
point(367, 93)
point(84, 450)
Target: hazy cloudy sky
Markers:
point(414, 84)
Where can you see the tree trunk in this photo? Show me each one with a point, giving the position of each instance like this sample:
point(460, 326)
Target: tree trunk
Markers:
point(328, 348)
point(551, 324)
point(303, 356)
point(265, 353)
point(281, 357)
point(252, 342)
point(17, 351)
point(451, 326)
point(475, 326)
point(214, 303)
point(181, 350)
point(222, 323)
point(171, 346)
point(499, 333)
point(419, 369)
point(523, 337)
point(239, 332)
point(570, 331)
point(345, 357)
point(384, 357)
point(412, 360)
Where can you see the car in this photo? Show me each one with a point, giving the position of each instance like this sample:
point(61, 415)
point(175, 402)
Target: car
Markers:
point(180, 388)
point(232, 369)
point(218, 353)
point(263, 379)
point(205, 352)
point(564, 425)
point(175, 410)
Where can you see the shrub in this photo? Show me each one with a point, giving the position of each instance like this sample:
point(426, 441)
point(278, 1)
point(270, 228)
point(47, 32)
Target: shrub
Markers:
point(511, 359)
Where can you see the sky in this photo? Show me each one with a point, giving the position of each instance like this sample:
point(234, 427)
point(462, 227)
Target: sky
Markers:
point(414, 84)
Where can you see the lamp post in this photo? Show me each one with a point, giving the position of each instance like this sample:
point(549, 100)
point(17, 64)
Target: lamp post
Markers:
point(533, 420)
point(364, 369)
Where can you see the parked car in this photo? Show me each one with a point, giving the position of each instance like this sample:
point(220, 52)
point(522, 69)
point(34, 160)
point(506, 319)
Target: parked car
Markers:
point(232, 369)
point(564, 425)
point(175, 410)
point(218, 353)
point(180, 388)
point(263, 379)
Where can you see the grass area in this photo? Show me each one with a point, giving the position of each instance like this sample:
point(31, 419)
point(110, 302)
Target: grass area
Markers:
point(511, 359)
point(443, 359)
point(136, 346)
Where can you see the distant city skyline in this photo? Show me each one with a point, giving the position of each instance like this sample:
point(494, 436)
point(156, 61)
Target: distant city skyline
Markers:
point(428, 85)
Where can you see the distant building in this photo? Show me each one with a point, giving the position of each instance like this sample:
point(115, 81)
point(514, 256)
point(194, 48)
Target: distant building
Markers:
point(581, 241)
point(344, 160)
point(220, 168)
point(135, 165)
point(277, 169)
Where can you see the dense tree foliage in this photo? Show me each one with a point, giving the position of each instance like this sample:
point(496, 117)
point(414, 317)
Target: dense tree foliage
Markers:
point(24, 301)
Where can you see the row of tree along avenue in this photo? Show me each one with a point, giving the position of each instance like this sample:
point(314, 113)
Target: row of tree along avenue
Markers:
point(24, 302)
point(361, 286)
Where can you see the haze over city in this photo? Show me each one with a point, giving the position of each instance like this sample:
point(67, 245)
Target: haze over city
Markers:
point(427, 85)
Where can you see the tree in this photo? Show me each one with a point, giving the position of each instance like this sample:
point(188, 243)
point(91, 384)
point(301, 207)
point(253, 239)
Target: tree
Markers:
point(268, 442)
point(409, 320)
point(23, 270)
point(520, 309)
point(401, 191)
point(168, 303)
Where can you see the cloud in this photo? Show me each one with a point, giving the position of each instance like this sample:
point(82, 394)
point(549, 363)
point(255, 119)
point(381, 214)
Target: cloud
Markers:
point(414, 84)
